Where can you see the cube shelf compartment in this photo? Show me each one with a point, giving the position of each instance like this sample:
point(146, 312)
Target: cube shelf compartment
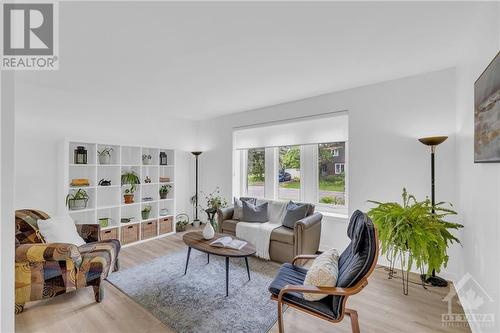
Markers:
point(108, 201)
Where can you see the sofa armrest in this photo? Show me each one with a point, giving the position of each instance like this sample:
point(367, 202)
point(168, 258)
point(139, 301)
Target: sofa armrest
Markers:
point(224, 214)
point(307, 234)
point(48, 252)
point(89, 232)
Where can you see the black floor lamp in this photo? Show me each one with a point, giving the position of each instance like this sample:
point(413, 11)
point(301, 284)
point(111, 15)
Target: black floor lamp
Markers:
point(432, 142)
point(196, 154)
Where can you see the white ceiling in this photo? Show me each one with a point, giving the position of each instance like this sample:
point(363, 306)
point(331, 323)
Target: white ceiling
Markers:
point(201, 60)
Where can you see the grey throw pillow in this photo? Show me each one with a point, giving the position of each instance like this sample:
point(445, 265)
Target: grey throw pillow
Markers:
point(254, 213)
point(238, 206)
point(294, 212)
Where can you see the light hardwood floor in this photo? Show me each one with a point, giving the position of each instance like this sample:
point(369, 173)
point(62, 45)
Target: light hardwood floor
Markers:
point(381, 306)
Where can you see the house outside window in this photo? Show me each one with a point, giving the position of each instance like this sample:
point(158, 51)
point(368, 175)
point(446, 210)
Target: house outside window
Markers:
point(331, 174)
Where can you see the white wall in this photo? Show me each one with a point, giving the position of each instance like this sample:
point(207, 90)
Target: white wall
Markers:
point(478, 184)
point(7, 188)
point(45, 116)
point(385, 121)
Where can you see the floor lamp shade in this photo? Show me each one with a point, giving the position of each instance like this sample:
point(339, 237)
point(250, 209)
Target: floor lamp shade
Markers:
point(196, 154)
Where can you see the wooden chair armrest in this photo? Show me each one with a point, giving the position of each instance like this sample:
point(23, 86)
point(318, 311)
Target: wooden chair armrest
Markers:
point(304, 256)
point(336, 291)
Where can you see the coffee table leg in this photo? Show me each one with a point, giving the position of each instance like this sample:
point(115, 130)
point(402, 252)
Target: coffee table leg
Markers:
point(227, 276)
point(208, 258)
point(187, 261)
point(248, 269)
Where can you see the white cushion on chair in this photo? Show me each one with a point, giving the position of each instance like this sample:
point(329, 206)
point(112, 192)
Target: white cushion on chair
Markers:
point(60, 229)
point(323, 273)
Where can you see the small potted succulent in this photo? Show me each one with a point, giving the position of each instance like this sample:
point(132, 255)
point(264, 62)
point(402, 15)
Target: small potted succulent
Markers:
point(77, 200)
point(105, 155)
point(146, 159)
point(164, 189)
point(130, 180)
point(145, 212)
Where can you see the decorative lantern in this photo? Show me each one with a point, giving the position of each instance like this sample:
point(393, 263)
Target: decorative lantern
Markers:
point(163, 158)
point(80, 155)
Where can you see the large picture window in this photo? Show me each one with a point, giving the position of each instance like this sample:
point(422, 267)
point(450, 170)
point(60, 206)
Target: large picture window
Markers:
point(331, 173)
point(301, 159)
point(289, 173)
point(256, 172)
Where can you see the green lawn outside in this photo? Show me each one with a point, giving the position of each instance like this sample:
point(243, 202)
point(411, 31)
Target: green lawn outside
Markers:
point(254, 181)
point(291, 184)
point(323, 186)
point(331, 186)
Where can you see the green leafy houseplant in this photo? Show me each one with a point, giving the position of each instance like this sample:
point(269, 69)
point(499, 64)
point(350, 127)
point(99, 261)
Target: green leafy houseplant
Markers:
point(129, 180)
point(77, 200)
point(145, 212)
point(164, 190)
point(414, 233)
point(214, 202)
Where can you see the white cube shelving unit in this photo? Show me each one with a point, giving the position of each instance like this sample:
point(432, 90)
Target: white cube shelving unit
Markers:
point(108, 201)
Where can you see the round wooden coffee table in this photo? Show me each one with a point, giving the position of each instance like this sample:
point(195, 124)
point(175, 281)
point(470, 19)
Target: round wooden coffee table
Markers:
point(195, 240)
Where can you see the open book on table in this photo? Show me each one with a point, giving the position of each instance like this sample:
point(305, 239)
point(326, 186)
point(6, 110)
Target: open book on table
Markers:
point(229, 242)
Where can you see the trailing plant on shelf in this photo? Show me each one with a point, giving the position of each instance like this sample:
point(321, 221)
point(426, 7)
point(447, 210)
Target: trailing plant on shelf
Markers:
point(164, 190)
point(415, 232)
point(77, 200)
point(145, 212)
point(105, 155)
point(129, 180)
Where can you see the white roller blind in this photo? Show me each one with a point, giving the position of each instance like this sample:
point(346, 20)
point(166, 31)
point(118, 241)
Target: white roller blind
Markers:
point(313, 130)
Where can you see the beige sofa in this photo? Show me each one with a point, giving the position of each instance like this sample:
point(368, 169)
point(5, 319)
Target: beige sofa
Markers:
point(285, 243)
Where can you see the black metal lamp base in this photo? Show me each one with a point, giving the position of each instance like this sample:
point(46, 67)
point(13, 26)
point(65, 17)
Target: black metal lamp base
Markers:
point(435, 281)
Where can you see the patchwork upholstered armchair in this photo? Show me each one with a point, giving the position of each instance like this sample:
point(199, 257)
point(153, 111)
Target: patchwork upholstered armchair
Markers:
point(45, 270)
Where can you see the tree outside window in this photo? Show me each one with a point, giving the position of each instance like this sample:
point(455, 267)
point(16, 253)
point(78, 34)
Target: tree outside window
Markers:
point(256, 172)
point(331, 173)
point(289, 173)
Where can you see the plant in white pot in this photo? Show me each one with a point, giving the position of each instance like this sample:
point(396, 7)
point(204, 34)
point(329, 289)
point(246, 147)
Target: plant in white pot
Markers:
point(214, 202)
point(105, 155)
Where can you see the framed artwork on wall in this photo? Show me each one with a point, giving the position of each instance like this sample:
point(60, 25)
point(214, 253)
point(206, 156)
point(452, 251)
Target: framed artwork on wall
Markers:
point(487, 114)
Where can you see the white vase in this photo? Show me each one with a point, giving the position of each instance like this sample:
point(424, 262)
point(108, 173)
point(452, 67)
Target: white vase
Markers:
point(196, 224)
point(208, 231)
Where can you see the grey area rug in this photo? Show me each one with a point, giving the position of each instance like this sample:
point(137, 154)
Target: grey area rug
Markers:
point(197, 302)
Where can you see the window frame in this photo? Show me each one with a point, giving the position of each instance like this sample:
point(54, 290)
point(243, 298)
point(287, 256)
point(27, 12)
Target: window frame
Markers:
point(309, 176)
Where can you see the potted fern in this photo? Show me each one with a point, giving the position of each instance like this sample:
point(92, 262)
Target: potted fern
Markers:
point(129, 180)
point(415, 233)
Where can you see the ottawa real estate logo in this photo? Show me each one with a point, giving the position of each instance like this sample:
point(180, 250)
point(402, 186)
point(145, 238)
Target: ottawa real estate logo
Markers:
point(30, 36)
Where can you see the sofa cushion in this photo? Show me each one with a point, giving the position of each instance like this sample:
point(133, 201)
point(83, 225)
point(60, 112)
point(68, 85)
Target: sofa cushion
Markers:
point(255, 213)
point(238, 206)
point(293, 213)
point(322, 273)
point(60, 229)
point(229, 225)
point(283, 235)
